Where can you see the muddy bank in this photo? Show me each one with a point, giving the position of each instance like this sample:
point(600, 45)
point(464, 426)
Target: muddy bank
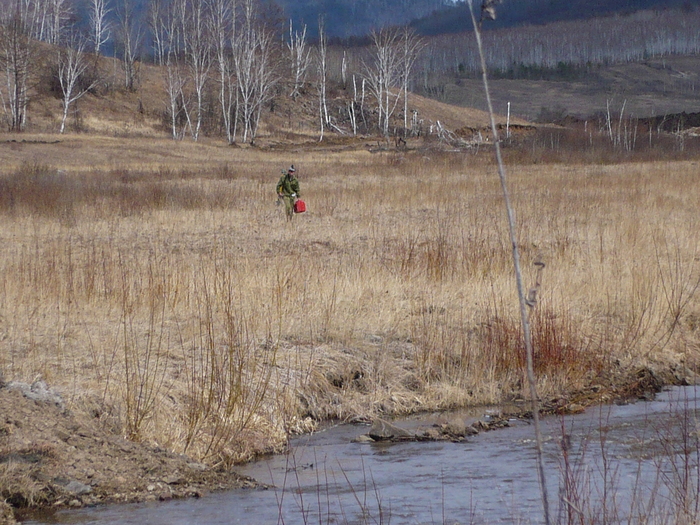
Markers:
point(51, 457)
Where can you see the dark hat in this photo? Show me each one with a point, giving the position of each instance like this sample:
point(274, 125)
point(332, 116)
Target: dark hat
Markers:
point(291, 168)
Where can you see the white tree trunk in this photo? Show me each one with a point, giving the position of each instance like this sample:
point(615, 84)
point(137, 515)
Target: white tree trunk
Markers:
point(300, 58)
point(72, 63)
point(100, 26)
point(17, 57)
point(322, 78)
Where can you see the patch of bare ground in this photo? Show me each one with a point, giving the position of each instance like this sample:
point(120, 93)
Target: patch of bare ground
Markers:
point(52, 457)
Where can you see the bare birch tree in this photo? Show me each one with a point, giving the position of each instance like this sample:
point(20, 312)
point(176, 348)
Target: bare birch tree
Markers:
point(17, 58)
point(100, 26)
point(389, 74)
point(322, 77)
point(72, 64)
point(243, 59)
point(60, 11)
point(255, 71)
point(166, 26)
point(300, 58)
point(344, 71)
point(157, 23)
point(266, 77)
point(411, 46)
point(37, 15)
point(130, 35)
point(46, 20)
point(223, 22)
point(384, 74)
point(198, 51)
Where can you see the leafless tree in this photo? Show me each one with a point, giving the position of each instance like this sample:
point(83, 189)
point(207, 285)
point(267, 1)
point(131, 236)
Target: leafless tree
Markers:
point(388, 75)
point(37, 17)
point(46, 20)
point(322, 77)
point(158, 13)
point(254, 68)
point(61, 11)
point(18, 54)
point(198, 41)
point(344, 71)
point(198, 51)
point(130, 35)
point(384, 74)
point(166, 26)
point(411, 46)
point(100, 26)
point(72, 64)
point(223, 30)
point(300, 58)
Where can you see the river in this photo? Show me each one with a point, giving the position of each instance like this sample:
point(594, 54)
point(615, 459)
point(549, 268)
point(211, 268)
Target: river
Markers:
point(629, 463)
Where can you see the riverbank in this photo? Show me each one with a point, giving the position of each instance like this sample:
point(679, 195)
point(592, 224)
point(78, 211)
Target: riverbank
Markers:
point(53, 458)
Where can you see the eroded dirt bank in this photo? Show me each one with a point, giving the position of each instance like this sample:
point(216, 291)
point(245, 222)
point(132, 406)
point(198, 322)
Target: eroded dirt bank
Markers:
point(52, 457)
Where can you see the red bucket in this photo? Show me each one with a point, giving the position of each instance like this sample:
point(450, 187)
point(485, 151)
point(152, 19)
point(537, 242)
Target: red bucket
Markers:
point(299, 206)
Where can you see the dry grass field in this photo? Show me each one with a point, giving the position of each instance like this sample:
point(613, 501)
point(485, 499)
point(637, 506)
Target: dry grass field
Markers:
point(158, 286)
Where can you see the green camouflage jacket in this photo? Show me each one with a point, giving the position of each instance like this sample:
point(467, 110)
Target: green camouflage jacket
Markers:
point(287, 185)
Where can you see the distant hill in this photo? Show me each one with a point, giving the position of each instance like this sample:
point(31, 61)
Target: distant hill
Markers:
point(347, 18)
point(657, 86)
point(456, 18)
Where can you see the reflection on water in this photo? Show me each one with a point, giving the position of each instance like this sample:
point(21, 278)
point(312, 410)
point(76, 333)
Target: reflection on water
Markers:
point(619, 457)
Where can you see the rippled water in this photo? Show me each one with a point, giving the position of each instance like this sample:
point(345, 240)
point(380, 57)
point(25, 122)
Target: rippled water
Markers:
point(635, 451)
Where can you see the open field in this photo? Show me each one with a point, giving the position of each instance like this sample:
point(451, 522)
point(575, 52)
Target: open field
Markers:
point(171, 298)
point(157, 287)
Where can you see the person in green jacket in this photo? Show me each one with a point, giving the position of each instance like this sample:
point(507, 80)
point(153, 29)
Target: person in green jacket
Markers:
point(288, 190)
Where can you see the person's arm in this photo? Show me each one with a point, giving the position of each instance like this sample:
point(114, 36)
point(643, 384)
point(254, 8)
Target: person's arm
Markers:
point(295, 187)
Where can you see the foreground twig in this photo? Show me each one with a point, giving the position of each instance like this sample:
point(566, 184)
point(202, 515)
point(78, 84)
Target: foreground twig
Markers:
point(488, 11)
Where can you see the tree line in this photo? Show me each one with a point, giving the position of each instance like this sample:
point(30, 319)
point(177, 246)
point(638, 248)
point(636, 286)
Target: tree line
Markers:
point(568, 45)
point(221, 61)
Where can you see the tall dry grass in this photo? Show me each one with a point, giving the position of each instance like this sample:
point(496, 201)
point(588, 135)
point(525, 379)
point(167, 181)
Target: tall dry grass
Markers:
point(180, 303)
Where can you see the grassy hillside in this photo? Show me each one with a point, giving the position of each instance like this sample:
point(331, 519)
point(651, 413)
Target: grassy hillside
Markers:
point(646, 61)
point(581, 70)
point(113, 111)
point(656, 86)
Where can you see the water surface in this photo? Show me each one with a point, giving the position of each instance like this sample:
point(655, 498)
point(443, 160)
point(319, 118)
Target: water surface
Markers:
point(635, 449)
